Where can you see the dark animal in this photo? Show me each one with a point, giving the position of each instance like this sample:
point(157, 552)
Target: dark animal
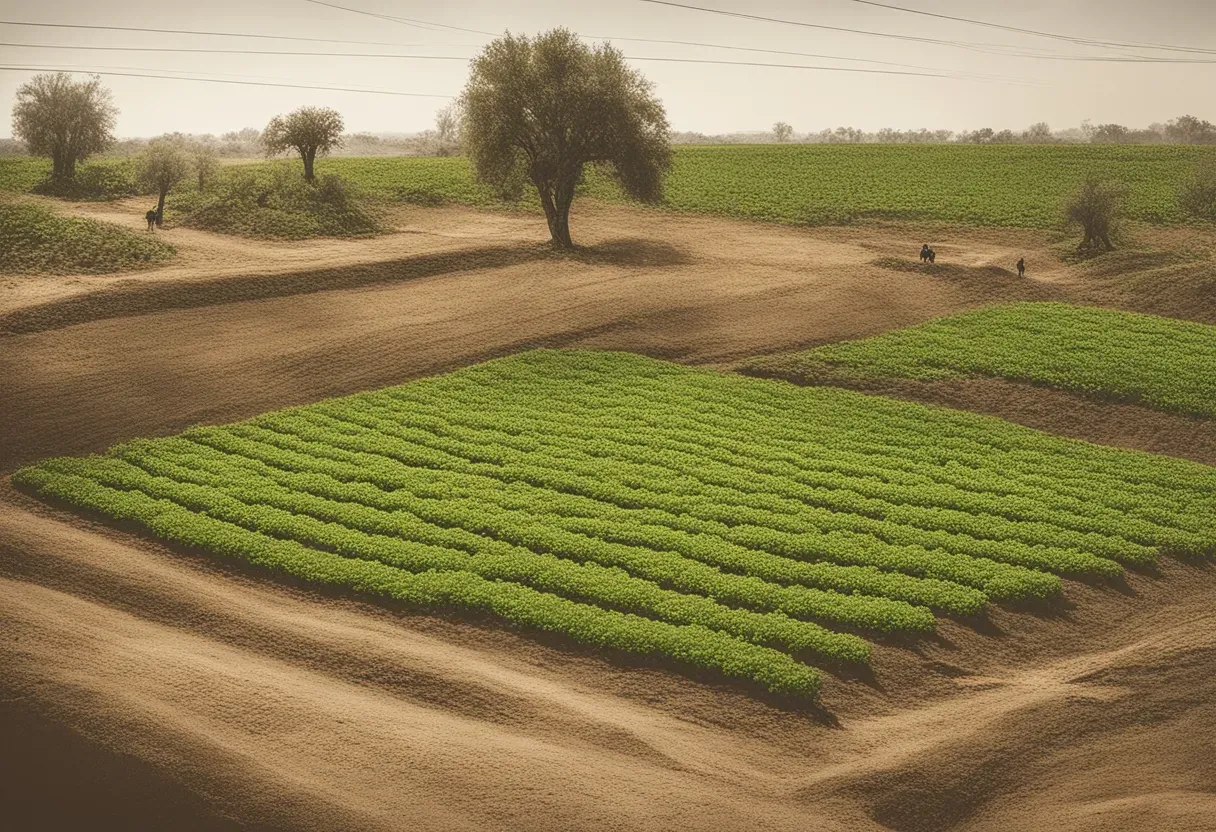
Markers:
point(151, 218)
point(1021, 267)
point(932, 256)
point(924, 252)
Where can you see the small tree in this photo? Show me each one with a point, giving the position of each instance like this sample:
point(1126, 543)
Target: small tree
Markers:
point(308, 131)
point(205, 164)
point(1109, 134)
point(1190, 130)
point(64, 119)
point(1197, 196)
point(782, 131)
point(162, 165)
point(448, 123)
point(1039, 133)
point(1095, 208)
point(543, 109)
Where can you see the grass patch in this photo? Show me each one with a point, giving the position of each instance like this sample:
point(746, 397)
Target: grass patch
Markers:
point(744, 526)
point(1159, 362)
point(33, 240)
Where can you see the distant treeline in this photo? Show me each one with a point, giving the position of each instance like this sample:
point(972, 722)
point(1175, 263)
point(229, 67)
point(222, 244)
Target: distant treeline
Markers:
point(1187, 129)
point(1184, 130)
point(246, 144)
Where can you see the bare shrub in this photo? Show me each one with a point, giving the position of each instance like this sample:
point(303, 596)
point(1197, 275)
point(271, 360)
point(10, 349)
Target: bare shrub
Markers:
point(1095, 209)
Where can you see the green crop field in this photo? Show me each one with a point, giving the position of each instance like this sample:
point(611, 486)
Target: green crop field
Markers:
point(745, 526)
point(34, 240)
point(1159, 362)
point(998, 185)
point(1002, 185)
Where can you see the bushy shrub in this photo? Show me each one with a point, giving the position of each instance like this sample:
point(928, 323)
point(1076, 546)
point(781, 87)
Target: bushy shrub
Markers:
point(274, 202)
point(97, 182)
point(1095, 208)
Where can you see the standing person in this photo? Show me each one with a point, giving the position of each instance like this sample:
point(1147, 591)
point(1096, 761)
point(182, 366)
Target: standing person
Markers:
point(151, 218)
point(1021, 267)
point(924, 252)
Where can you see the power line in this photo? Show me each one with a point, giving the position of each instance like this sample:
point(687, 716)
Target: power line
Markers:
point(991, 49)
point(1050, 57)
point(189, 51)
point(794, 66)
point(945, 73)
point(764, 51)
point(456, 58)
point(409, 21)
point(195, 32)
point(1035, 32)
point(230, 51)
point(8, 68)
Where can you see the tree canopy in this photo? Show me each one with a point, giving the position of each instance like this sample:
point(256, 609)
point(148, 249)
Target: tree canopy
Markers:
point(309, 131)
point(163, 164)
point(64, 119)
point(541, 109)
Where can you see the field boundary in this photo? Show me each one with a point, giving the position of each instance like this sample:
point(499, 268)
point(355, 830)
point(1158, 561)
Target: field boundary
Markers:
point(147, 298)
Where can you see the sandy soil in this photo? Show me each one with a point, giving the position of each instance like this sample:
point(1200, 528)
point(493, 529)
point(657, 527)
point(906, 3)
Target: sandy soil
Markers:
point(144, 687)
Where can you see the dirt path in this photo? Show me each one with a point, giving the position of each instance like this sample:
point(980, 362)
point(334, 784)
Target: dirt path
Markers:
point(155, 352)
point(180, 693)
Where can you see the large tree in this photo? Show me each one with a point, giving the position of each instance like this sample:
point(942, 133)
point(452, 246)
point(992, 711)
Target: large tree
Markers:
point(64, 119)
point(163, 164)
point(309, 131)
point(541, 109)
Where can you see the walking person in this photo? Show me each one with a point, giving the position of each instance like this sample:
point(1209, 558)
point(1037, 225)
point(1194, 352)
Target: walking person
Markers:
point(924, 252)
point(1021, 267)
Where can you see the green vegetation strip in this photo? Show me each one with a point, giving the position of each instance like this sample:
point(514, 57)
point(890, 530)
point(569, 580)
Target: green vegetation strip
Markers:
point(999, 185)
point(1011, 185)
point(34, 240)
point(1158, 362)
point(734, 524)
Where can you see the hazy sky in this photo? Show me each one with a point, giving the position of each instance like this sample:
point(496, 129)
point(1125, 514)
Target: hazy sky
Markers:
point(710, 98)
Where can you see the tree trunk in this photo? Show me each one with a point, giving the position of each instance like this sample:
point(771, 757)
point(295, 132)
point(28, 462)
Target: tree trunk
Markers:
point(57, 165)
point(309, 157)
point(557, 213)
point(69, 167)
point(160, 207)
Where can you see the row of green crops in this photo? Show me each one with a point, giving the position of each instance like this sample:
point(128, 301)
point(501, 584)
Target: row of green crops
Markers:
point(1001, 185)
point(1159, 362)
point(735, 524)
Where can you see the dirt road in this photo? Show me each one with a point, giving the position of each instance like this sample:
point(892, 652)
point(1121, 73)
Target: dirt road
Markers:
point(147, 687)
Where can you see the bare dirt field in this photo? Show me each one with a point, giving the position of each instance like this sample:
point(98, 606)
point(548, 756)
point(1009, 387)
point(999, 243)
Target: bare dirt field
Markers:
point(149, 688)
